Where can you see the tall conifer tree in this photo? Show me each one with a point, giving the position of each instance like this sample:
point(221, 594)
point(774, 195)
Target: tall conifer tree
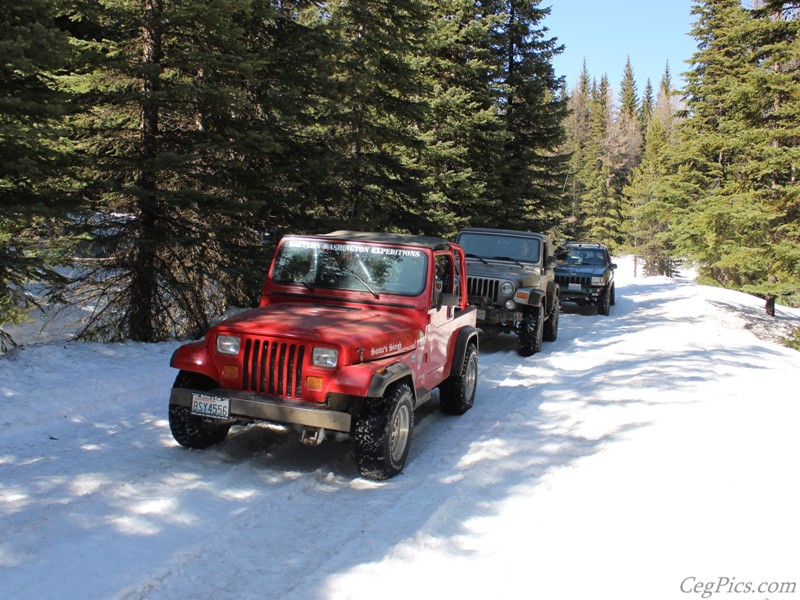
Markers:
point(375, 111)
point(532, 178)
point(738, 150)
point(171, 131)
point(33, 188)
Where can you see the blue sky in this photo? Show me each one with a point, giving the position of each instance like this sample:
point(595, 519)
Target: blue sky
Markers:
point(606, 32)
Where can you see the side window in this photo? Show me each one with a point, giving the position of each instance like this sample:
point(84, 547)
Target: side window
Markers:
point(443, 277)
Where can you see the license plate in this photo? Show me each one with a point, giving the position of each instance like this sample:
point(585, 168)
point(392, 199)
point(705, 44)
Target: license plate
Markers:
point(575, 286)
point(481, 314)
point(209, 406)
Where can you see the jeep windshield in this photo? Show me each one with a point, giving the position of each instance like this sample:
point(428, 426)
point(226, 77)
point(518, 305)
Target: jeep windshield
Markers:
point(500, 247)
point(351, 266)
point(582, 256)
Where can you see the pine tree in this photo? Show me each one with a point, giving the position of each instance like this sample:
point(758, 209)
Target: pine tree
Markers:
point(626, 134)
point(532, 179)
point(463, 132)
point(739, 150)
point(577, 138)
point(374, 113)
point(648, 203)
point(172, 132)
point(646, 106)
point(600, 205)
point(33, 189)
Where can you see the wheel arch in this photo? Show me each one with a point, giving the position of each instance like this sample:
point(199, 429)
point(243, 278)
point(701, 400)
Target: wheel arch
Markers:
point(381, 380)
point(465, 336)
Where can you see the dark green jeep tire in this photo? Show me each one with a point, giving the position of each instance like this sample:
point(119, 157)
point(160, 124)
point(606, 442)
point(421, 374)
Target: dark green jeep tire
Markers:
point(551, 325)
point(531, 331)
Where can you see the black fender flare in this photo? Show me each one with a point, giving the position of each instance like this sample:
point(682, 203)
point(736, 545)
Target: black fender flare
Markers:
point(386, 377)
point(464, 337)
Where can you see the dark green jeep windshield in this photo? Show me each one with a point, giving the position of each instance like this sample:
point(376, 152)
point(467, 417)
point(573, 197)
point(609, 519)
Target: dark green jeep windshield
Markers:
point(351, 266)
point(509, 247)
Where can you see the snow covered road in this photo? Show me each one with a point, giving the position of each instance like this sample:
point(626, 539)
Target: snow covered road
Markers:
point(649, 454)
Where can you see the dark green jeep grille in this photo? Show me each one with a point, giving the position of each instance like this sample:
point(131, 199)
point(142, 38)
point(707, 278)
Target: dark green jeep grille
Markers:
point(484, 287)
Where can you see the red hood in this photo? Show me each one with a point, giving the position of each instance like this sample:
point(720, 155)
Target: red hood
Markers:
point(376, 333)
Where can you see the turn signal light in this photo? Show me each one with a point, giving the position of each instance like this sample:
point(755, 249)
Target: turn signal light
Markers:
point(314, 384)
point(230, 372)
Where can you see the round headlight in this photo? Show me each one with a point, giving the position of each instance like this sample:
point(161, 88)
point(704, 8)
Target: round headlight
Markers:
point(506, 288)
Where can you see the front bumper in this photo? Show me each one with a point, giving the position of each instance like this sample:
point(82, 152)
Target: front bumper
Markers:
point(498, 316)
point(251, 406)
point(585, 294)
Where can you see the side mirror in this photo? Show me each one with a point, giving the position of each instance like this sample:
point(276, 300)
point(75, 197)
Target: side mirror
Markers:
point(613, 265)
point(450, 300)
point(550, 262)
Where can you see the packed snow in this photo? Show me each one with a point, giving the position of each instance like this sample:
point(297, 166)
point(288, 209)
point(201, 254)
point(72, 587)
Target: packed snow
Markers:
point(649, 454)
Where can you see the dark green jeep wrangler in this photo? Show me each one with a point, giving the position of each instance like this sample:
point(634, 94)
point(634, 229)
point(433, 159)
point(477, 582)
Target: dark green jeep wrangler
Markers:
point(510, 281)
point(585, 275)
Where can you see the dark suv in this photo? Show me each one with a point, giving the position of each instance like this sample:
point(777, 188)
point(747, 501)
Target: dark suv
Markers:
point(585, 275)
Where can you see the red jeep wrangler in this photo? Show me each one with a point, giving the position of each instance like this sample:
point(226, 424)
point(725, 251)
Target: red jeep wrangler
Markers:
point(352, 334)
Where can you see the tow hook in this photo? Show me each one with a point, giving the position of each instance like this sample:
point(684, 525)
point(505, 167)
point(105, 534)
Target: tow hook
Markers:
point(312, 437)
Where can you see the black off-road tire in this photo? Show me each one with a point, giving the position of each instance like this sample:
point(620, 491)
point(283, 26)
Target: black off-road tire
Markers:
point(550, 333)
point(382, 432)
point(457, 392)
point(190, 430)
point(604, 302)
point(613, 300)
point(531, 331)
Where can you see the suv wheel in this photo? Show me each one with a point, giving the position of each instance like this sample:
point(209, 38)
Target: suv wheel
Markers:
point(551, 325)
point(457, 392)
point(604, 302)
point(530, 333)
point(382, 432)
point(190, 430)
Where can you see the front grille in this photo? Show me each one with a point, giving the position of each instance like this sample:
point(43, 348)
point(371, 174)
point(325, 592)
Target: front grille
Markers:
point(273, 367)
point(567, 279)
point(484, 287)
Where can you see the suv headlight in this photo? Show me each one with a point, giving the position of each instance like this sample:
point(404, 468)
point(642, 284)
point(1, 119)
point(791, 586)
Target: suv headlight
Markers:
point(325, 357)
point(228, 344)
point(597, 281)
point(506, 288)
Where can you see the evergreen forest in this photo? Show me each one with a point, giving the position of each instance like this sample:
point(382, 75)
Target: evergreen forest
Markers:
point(154, 151)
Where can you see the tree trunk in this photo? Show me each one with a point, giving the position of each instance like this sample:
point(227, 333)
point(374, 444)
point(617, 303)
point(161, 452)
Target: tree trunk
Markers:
point(144, 286)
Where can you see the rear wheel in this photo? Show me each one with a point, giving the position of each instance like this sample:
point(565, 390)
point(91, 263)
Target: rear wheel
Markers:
point(530, 332)
point(457, 392)
point(190, 430)
point(383, 431)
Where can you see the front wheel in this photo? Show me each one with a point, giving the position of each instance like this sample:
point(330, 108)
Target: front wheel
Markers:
point(382, 433)
point(551, 325)
point(457, 392)
point(530, 332)
point(604, 302)
point(191, 430)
